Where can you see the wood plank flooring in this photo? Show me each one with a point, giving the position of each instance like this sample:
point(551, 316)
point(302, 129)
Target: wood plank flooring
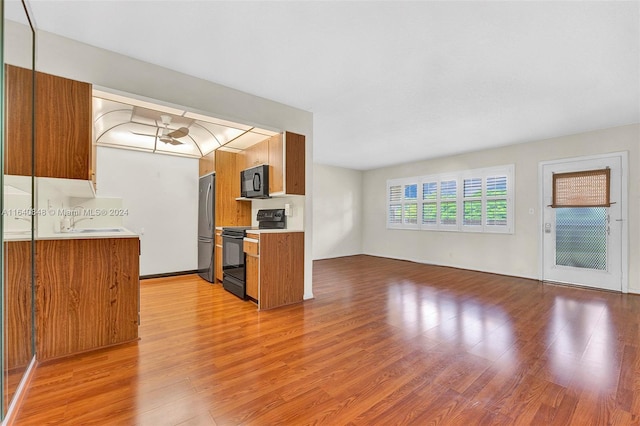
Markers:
point(384, 342)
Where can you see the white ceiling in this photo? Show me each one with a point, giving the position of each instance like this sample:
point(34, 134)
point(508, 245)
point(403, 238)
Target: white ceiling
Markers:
point(391, 82)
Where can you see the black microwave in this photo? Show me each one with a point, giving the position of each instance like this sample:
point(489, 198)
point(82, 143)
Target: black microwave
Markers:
point(254, 182)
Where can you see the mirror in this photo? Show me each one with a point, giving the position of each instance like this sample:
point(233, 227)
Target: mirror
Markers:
point(17, 184)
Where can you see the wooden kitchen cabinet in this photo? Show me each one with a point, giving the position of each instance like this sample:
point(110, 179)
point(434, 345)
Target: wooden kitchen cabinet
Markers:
point(63, 124)
point(17, 296)
point(229, 211)
point(87, 294)
point(63, 128)
point(217, 267)
point(18, 120)
point(252, 264)
point(207, 164)
point(294, 164)
point(285, 155)
point(275, 268)
point(256, 154)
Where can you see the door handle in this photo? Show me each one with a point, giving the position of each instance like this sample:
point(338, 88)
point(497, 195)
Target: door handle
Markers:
point(208, 206)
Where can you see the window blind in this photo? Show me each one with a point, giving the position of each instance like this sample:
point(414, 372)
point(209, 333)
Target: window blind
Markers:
point(590, 188)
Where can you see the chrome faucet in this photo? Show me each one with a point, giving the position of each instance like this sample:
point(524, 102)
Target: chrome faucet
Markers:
point(74, 220)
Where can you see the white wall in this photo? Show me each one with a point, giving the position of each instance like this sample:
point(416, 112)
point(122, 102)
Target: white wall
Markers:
point(337, 212)
point(160, 193)
point(68, 58)
point(516, 254)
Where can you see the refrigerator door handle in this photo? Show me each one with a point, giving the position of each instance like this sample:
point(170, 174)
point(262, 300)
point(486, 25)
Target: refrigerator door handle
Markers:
point(209, 206)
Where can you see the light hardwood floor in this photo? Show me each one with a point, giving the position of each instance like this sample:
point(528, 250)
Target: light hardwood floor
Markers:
point(384, 342)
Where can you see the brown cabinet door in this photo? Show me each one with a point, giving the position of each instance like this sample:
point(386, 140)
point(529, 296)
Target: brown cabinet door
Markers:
point(295, 164)
point(17, 291)
point(257, 154)
point(86, 294)
point(229, 212)
point(63, 127)
point(19, 113)
point(252, 265)
point(276, 164)
point(217, 267)
point(207, 164)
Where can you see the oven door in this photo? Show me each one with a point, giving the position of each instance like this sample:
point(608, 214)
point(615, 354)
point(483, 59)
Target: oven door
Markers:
point(233, 269)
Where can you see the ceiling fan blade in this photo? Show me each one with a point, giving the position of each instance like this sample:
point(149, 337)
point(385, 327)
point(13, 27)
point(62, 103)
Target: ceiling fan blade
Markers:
point(143, 134)
point(168, 139)
point(179, 133)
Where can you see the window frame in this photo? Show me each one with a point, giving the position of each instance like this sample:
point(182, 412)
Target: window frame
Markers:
point(507, 171)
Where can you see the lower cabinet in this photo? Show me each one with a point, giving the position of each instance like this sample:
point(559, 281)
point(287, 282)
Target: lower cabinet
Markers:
point(18, 296)
point(87, 294)
point(252, 264)
point(275, 268)
point(217, 261)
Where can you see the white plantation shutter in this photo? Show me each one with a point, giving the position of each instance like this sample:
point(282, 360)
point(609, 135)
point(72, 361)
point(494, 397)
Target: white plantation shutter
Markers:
point(395, 205)
point(496, 210)
point(473, 201)
point(430, 203)
point(448, 202)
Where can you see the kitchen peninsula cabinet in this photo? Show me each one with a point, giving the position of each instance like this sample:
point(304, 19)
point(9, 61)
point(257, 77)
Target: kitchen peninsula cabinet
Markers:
point(275, 268)
point(86, 294)
point(63, 137)
point(18, 297)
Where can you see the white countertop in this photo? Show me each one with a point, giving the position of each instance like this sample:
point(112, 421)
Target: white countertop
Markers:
point(88, 235)
point(76, 235)
point(17, 235)
point(262, 231)
point(271, 231)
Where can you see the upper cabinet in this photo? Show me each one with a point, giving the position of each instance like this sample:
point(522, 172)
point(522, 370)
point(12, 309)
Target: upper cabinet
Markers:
point(63, 126)
point(285, 155)
point(207, 164)
point(19, 110)
point(229, 211)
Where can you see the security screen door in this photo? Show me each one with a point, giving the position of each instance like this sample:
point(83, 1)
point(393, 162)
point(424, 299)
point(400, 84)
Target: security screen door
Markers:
point(583, 245)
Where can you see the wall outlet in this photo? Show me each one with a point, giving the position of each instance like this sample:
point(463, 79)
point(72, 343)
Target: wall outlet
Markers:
point(287, 209)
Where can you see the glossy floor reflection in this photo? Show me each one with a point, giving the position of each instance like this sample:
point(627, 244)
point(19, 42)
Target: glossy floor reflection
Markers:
point(384, 342)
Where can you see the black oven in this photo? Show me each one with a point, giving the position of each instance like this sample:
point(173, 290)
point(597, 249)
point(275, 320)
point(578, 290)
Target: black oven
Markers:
point(233, 272)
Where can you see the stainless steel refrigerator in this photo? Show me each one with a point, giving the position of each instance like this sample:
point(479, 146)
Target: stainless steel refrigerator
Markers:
point(206, 227)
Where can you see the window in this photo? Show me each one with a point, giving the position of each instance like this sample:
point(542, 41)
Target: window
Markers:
point(473, 200)
point(403, 205)
point(430, 203)
point(472, 203)
point(448, 202)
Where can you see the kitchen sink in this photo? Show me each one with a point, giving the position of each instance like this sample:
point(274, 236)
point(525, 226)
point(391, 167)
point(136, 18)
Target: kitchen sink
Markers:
point(96, 230)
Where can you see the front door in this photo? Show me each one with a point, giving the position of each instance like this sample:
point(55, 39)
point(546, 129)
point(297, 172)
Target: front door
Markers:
point(583, 245)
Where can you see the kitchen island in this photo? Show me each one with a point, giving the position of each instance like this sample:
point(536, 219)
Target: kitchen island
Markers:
point(87, 291)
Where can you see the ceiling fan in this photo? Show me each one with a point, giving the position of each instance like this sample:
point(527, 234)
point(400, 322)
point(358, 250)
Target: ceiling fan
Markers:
point(168, 136)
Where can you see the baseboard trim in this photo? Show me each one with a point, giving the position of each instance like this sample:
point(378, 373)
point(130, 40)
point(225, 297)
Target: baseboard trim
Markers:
point(168, 274)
